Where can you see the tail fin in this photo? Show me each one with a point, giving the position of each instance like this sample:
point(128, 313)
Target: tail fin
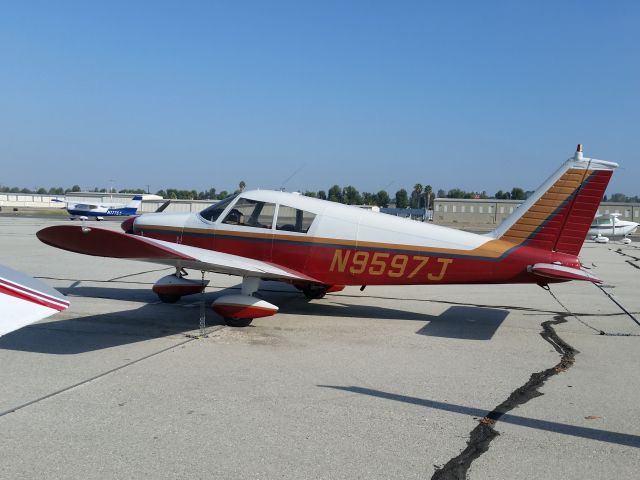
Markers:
point(558, 215)
point(135, 202)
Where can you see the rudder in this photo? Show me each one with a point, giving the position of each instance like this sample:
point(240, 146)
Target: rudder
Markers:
point(558, 214)
point(135, 202)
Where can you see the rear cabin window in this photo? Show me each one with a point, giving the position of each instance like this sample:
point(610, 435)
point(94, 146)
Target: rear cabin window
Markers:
point(213, 212)
point(294, 220)
point(251, 213)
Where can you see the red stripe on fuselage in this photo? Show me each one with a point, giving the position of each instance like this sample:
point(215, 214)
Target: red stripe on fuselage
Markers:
point(345, 265)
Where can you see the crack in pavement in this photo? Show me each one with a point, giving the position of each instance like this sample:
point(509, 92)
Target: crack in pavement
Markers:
point(620, 252)
point(632, 264)
point(482, 435)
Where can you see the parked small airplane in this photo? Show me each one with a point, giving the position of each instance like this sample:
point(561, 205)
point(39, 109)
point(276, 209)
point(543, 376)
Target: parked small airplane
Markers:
point(320, 246)
point(24, 300)
point(609, 225)
point(84, 211)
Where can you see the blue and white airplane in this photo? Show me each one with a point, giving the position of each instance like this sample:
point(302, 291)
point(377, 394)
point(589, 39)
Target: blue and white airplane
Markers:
point(84, 211)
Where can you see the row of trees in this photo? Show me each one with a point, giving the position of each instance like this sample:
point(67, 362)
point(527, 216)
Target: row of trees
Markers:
point(41, 191)
point(621, 197)
point(419, 197)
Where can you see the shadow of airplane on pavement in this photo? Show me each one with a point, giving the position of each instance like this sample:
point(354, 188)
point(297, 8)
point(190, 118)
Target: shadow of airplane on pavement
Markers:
point(155, 320)
point(555, 427)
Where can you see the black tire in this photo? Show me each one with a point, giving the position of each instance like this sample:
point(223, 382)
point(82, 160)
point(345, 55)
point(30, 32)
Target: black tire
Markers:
point(166, 298)
point(314, 293)
point(238, 322)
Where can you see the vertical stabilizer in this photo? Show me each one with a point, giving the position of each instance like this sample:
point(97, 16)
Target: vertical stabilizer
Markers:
point(558, 214)
point(135, 202)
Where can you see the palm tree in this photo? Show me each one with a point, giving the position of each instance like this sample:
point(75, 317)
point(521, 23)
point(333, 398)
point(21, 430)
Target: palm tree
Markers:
point(417, 191)
point(428, 190)
point(242, 185)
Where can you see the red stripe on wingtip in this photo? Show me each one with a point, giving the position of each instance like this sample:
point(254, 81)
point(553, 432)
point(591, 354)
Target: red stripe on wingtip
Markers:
point(31, 292)
point(6, 290)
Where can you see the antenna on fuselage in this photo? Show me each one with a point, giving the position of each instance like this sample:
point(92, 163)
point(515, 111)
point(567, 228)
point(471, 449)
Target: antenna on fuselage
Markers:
point(388, 185)
point(292, 175)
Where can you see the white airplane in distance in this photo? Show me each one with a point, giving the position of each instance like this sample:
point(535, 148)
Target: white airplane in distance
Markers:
point(24, 300)
point(609, 225)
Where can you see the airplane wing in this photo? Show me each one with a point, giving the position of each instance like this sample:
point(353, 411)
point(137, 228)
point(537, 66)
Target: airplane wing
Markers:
point(25, 300)
point(108, 243)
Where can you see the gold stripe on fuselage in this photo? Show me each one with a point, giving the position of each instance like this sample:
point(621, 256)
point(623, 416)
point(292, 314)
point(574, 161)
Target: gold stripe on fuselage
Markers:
point(491, 249)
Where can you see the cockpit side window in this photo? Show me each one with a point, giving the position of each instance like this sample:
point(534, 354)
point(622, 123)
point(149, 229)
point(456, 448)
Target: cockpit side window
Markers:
point(251, 213)
point(213, 212)
point(294, 220)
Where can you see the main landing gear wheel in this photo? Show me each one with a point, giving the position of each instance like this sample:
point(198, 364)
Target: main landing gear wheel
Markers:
point(238, 322)
point(314, 292)
point(240, 310)
point(172, 288)
point(168, 298)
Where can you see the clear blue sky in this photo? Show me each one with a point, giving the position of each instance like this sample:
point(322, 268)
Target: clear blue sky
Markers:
point(476, 95)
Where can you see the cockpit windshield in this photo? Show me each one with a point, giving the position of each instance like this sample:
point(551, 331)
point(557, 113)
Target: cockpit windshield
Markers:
point(603, 220)
point(213, 212)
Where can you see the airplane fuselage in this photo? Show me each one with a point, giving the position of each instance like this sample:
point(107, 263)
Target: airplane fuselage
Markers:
point(350, 246)
point(621, 228)
point(100, 211)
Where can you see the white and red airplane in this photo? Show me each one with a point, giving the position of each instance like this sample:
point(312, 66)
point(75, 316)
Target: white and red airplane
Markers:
point(321, 246)
point(24, 300)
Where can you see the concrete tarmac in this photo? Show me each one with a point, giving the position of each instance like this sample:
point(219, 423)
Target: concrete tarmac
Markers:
point(392, 382)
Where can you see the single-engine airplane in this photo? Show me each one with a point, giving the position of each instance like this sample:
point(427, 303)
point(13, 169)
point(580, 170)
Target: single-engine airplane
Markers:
point(609, 225)
point(321, 246)
point(84, 211)
point(24, 300)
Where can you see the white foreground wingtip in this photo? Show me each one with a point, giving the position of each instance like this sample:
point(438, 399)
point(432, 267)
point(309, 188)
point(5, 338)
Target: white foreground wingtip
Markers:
point(25, 300)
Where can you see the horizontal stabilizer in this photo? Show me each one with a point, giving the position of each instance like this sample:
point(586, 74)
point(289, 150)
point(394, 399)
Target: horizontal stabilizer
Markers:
point(560, 272)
